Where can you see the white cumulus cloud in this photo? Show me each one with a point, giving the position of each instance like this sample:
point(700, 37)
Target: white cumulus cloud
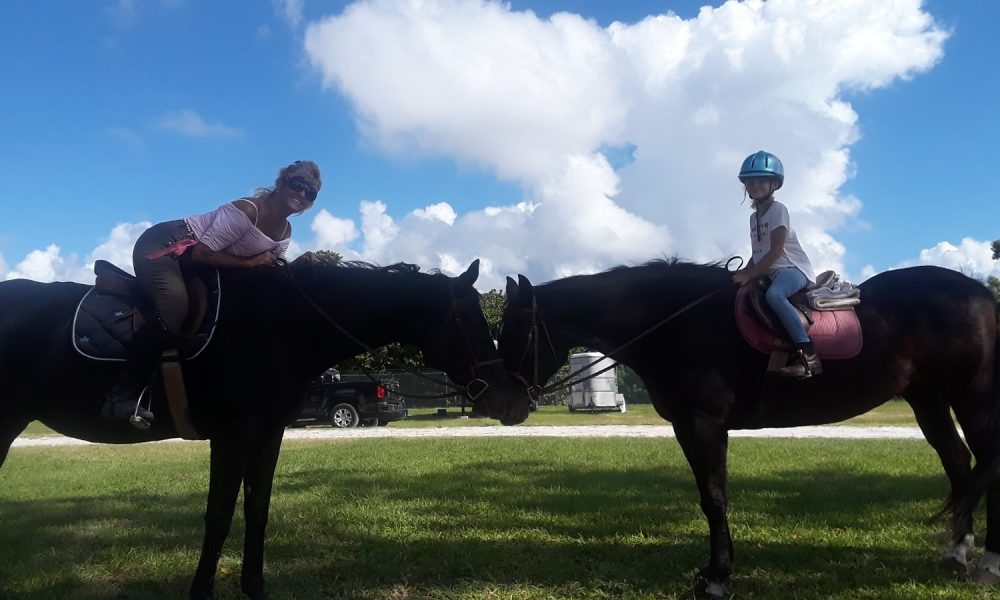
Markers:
point(290, 11)
point(50, 264)
point(332, 233)
point(970, 256)
point(550, 103)
point(442, 211)
point(192, 124)
point(536, 100)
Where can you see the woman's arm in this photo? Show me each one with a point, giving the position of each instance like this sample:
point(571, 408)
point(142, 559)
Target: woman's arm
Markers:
point(204, 255)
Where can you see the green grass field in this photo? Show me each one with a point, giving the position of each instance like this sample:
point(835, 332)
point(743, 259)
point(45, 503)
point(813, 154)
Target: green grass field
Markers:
point(890, 413)
point(452, 519)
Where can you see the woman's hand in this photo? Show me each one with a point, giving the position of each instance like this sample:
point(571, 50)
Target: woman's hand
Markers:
point(263, 259)
point(204, 255)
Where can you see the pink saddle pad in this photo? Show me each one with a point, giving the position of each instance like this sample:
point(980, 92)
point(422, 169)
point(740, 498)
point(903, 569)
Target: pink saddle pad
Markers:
point(836, 334)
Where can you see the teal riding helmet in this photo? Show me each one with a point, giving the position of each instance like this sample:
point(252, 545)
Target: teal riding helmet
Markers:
point(762, 164)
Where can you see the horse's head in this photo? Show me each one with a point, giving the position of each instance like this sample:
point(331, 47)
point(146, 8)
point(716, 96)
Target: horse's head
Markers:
point(441, 315)
point(464, 349)
point(525, 343)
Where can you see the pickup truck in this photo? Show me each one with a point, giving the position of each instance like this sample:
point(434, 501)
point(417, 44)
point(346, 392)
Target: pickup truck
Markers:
point(352, 403)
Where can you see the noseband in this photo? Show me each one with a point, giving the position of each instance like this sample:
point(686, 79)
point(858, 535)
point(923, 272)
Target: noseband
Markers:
point(534, 387)
point(477, 385)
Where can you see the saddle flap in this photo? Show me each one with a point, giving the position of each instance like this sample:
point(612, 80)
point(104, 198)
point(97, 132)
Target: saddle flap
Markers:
point(103, 324)
point(113, 281)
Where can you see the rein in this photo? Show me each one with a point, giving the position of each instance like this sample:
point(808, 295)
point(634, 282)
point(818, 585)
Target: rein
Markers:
point(469, 389)
point(535, 390)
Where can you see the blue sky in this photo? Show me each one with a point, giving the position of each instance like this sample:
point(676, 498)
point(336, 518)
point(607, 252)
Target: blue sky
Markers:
point(546, 145)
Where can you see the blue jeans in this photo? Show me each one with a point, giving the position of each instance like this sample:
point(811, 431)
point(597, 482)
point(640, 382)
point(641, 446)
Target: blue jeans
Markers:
point(786, 283)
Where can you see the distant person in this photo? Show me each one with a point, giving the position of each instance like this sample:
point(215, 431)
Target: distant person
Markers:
point(245, 233)
point(777, 254)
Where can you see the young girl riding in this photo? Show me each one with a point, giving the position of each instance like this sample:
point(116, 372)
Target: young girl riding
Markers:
point(777, 254)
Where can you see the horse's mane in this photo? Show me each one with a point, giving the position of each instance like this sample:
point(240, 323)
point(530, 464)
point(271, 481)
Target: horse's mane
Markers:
point(400, 267)
point(661, 269)
point(673, 264)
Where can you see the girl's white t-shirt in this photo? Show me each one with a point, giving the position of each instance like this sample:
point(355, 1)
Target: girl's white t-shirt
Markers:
point(760, 241)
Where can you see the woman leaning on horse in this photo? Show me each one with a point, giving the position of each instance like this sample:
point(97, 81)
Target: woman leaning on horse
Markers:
point(245, 233)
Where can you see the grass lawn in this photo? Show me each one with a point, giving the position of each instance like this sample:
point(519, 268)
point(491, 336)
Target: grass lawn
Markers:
point(890, 413)
point(492, 518)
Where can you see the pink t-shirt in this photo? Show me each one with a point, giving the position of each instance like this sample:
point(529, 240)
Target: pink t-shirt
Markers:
point(228, 229)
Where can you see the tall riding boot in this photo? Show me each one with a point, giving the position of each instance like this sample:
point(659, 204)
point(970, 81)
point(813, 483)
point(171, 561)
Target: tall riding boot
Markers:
point(805, 363)
point(122, 402)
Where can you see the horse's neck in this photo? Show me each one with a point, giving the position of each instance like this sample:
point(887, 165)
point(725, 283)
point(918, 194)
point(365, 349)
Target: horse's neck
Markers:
point(571, 320)
point(604, 317)
point(381, 308)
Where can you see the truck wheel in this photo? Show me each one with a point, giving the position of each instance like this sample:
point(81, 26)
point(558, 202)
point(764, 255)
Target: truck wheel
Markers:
point(343, 415)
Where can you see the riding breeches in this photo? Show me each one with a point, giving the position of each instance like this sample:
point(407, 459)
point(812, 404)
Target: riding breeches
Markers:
point(162, 278)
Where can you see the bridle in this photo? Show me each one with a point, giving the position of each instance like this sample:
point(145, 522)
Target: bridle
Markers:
point(473, 389)
point(535, 332)
point(470, 355)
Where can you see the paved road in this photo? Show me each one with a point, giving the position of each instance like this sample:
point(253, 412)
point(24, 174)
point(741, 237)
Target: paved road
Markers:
point(642, 431)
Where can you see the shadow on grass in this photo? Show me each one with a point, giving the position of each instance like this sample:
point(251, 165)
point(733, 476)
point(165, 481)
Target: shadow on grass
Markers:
point(635, 531)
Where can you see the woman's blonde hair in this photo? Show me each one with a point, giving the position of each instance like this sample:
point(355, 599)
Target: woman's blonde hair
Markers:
point(306, 169)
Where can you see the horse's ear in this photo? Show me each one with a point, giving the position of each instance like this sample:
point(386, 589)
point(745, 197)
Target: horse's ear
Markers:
point(471, 274)
point(512, 292)
point(526, 293)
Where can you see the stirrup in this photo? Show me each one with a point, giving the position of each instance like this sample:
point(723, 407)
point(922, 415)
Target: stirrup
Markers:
point(796, 371)
point(141, 418)
point(139, 422)
point(120, 410)
point(803, 367)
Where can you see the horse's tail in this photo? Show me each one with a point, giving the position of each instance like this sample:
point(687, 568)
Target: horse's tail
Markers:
point(961, 501)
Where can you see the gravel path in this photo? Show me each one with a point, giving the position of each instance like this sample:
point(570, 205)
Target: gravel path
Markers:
point(642, 431)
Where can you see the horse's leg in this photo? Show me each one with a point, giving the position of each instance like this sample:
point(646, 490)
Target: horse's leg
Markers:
point(10, 428)
point(935, 422)
point(256, 500)
point(979, 435)
point(974, 407)
point(705, 443)
point(988, 571)
point(229, 458)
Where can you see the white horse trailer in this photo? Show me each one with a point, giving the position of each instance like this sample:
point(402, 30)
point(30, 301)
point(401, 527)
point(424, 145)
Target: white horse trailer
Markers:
point(599, 393)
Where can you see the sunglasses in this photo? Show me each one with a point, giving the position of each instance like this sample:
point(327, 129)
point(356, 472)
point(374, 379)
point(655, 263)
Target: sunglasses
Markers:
point(297, 184)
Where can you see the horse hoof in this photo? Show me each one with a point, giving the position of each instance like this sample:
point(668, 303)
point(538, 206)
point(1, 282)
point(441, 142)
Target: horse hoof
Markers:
point(953, 565)
point(985, 577)
point(255, 591)
point(709, 590)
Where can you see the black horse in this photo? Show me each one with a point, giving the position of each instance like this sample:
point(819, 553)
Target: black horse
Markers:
point(930, 336)
point(278, 329)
